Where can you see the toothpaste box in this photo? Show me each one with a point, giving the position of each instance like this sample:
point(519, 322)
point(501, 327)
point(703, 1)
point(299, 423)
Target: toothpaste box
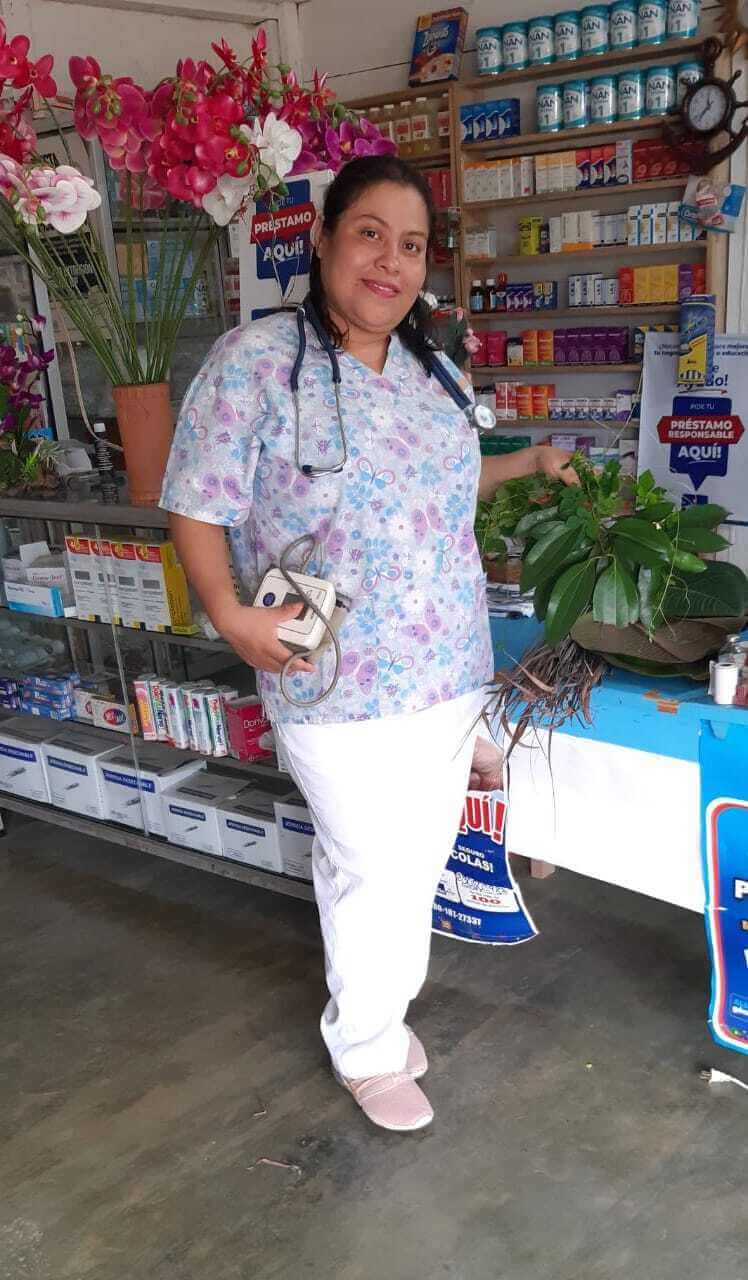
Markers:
point(72, 761)
point(191, 810)
point(23, 770)
point(133, 790)
point(248, 827)
point(111, 713)
point(295, 838)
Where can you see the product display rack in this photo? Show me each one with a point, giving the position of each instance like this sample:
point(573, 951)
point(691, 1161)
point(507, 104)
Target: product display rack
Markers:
point(670, 50)
point(90, 518)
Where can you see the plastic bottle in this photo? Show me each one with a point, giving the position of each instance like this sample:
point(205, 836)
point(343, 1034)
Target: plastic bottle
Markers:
point(491, 298)
point(442, 123)
point(109, 490)
point(387, 122)
point(420, 124)
point(403, 129)
point(477, 297)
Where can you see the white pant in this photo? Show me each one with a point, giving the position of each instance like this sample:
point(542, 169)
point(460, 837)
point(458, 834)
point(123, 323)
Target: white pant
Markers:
point(386, 798)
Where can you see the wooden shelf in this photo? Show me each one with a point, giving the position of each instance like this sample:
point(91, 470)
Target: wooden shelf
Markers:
point(437, 159)
point(438, 90)
point(87, 511)
point(563, 425)
point(579, 193)
point(645, 309)
point(671, 50)
point(502, 370)
point(522, 143)
point(602, 251)
point(167, 637)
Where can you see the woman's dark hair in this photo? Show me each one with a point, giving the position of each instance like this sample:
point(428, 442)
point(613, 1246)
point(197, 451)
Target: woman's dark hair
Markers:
point(416, 330)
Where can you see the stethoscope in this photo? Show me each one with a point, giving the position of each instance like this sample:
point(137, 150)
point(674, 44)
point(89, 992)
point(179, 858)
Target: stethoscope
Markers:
point(478, 416)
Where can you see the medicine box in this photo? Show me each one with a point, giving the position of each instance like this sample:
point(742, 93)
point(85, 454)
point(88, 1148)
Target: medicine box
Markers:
point(47, 602)
point(111, 713)
point(163, 585)
point(248, 827)
point(128, 609)
point(191, 810)
point(82, 568)
point(105, 582)
point(23, 770)
point(125, 782)
point(295, 838)
point(73, 762)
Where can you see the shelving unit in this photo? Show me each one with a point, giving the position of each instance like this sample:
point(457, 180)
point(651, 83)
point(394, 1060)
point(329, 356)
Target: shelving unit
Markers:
point(669, 51)
point(601, 251)
point(507, 371)
point(572, 313)
point(580, 194)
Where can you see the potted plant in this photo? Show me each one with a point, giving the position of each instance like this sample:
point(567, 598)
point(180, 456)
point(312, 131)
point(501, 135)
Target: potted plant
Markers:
point(618, 575)
point(26, 457)
point(193, 152)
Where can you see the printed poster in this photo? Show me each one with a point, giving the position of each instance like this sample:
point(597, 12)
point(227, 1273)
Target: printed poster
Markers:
point(724, 797)
point(694, 441)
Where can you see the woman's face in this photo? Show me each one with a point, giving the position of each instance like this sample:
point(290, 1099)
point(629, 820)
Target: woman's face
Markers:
point(374, 263)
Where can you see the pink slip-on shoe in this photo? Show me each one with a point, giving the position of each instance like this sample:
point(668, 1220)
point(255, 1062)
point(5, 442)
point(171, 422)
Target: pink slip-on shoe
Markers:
point(392, 1101)
point(417, 1064)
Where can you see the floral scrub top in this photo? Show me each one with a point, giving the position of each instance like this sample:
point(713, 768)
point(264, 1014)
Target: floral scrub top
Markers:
point(395, 527)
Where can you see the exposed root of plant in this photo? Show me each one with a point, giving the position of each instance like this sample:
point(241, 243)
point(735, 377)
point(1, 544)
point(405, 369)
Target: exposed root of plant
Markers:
point(545, 690)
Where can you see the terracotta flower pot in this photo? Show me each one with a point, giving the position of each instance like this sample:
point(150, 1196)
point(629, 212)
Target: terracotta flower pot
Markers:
point(146, 428)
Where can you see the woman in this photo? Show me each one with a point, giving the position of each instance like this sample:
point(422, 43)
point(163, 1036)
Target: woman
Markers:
point(384, 761)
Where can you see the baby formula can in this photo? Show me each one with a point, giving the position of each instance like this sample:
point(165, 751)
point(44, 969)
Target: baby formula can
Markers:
point(659, 94)
point(687, 73)
point(514, 45)
point(550, 108)
point(488, 51)
point(576, 104)
point(651, 21)
point(567, 39)
point(603, 99)
point(630, 95)
point(683, 18)
point(540, 41)
point(594, 25)
point(623, 24)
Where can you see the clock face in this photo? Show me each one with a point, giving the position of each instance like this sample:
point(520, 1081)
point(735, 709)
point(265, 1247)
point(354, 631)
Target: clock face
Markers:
point(707, 108)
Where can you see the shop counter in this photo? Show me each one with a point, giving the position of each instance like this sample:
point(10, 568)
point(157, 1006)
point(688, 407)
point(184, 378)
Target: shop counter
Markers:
point(619, 799)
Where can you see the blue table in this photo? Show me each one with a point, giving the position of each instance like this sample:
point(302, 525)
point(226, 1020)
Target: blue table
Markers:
point(618, 799)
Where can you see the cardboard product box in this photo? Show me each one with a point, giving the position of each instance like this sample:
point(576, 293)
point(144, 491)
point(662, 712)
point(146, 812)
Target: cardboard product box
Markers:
point(191, 810)
point(586, 228)
point(597, 169)
point(530, 353)
point(670, 283)
point(657, 284)
point(624, 162)
point(104, 579)
point(82, 567)
point(248, 827)
point(524, 401)
point(582, 165)
point(504, 179)
point(626, 286)
point(23, 770)
point(47, 602)
point(640, 160)
point(129, 606)
point(295, 838)
point(642, 290)
point(72, 761)
point(165, 598)
point(660, 223)
point(646, 224)
point(657, 154)
point(526, 176)
point(246, 723)
point(555, 171)
point(126, 783)
point(110, 713)
point(541, 175)
point(569, 170)
point(570, 231)
point(437, 46)
point(52, 571)
point(633, 225)
point(555, 235)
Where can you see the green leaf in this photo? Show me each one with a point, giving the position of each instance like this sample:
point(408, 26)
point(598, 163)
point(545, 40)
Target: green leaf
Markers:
point(493, 544)
point(719, 591)
point(541, 597)
point(534, 518)
point(707, 516)
point(545, 556)
point(688, 563)
point(700, 540)
point(540, 530)
point(569, 598)
point(645, 484)
point(657, 511)
point(649, 585)
point(616, 599)
point(642, 542)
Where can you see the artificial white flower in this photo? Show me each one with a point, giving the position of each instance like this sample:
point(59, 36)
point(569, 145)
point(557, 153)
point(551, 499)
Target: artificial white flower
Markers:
point(278, 144)
point(226, 198)
point(430, 299)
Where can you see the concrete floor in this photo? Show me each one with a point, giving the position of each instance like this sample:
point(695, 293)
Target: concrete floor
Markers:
point(160, 1037)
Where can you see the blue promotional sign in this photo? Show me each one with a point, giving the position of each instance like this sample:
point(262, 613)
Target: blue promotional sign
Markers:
point(478, 899)
point(281, 232)
point(724, 808)
point(694, 441)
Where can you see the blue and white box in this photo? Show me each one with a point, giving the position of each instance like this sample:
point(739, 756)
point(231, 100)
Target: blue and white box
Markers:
point(133, 791)
point(23, 770)
point(73, 763)
point(295, 837)
point(248, 825)
point(191, 810)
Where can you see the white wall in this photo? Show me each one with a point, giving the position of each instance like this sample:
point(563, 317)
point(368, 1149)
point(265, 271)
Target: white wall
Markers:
point(143, 38)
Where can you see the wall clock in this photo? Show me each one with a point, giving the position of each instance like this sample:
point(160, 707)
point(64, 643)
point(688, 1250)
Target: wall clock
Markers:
point(708, 108)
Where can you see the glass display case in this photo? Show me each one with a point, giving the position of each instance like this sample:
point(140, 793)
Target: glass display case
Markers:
point(122, 713)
